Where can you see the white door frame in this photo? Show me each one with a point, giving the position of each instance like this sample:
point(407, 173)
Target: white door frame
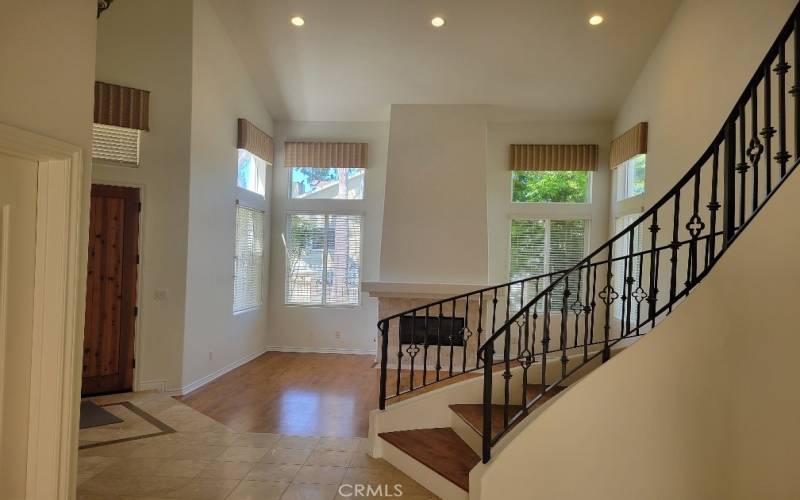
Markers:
point(59, 281)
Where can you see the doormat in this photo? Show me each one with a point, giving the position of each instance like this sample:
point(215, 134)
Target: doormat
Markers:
point(95, 416)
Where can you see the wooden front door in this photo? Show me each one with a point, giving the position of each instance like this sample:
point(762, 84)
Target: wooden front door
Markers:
point(111, 290)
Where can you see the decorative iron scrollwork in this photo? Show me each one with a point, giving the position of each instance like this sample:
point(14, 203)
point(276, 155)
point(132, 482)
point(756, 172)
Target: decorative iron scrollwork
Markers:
point(695, 225)
point(608, 295)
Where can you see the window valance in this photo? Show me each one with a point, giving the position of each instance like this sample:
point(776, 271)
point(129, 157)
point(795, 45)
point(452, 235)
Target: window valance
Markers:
point(256, 141)
point(325, 154)
point(630, 144)
point(121, 106)
point(559, 157)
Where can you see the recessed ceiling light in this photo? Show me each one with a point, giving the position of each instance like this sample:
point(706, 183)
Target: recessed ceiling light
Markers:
point(596, 19)
point(298, 21)
point(437, 22)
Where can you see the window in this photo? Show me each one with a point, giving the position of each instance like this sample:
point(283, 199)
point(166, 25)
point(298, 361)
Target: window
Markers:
point(248, 260)
point(323, 259)
point(621, 248)
point(543, 246)
point(251, 172)
point(630, 177)
point(118, 144)
point(550, 187)
point(327, 183)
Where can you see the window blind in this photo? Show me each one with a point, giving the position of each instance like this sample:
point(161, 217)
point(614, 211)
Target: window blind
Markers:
point(323, 259)
point(248, 259)
point(544, 246)
point(621, 248)
point(115, 143)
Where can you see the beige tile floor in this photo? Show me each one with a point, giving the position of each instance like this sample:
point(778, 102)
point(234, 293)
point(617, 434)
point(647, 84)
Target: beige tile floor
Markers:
point(204, 460)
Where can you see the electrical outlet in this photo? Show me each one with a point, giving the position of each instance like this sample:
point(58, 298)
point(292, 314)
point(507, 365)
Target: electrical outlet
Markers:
point(160, 295)
point(210, 355)
point(338, 335)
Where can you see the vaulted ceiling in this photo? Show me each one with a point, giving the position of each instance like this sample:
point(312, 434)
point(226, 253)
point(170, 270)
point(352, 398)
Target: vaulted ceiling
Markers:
point(354, 58)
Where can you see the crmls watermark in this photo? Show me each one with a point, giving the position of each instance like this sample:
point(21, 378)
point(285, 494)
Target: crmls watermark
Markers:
point(370, 490)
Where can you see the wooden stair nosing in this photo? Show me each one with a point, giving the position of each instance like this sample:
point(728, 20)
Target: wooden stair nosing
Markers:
point(440, 449)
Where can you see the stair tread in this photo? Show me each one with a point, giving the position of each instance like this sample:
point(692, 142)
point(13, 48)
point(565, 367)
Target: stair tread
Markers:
point(472, 414)
point(439, 449)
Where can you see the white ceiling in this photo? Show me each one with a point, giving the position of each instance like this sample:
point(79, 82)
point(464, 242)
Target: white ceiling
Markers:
point(354, 58)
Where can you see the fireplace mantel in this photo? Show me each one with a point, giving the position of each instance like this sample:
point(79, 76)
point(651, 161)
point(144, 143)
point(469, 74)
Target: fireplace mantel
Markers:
point(384, 289)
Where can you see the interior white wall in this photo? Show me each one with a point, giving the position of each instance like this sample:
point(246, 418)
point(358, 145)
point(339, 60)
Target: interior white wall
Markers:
point(434, 223)
point(222, 92)
point(498, 185)
point(147, 44)
point(691, 82)
point(47, 52)
point(316, 328)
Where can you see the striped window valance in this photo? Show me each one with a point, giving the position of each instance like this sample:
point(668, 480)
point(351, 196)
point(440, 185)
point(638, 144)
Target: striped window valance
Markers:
point(121, 106)
point(630, 144)
point(325, 154)
point(256, 141)
point(561, 157)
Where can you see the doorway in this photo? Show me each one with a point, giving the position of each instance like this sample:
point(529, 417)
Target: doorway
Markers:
point(108, 345)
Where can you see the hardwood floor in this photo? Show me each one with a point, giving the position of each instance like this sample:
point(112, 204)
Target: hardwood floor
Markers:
point(294, 393)
point(303, 394)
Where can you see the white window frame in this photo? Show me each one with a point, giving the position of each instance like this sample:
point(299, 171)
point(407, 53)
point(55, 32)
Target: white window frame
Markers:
point(261, 268)
point(326, 214)
point(623, 177)
point(552, 203)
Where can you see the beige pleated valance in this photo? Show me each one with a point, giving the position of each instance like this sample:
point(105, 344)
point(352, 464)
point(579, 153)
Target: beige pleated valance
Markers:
point(631, 143)
point(121, 106)
point(256, 141)
point(562, 157)
point(325, 154)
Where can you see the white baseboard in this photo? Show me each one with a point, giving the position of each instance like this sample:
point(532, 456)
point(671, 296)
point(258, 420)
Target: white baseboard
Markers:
point(321, 350)
point(186, 389)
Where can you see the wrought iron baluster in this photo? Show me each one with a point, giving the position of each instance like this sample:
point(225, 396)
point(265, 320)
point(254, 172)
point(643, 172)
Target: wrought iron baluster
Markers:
point(399, 354)
point(506, 374)
point(439, 343)
point(768, 132)
point(412, 349)
point(384, 329)
point(521, 304)
point(781, 69)
point(486, 445)
point(466, 334)
point(742, 167)
point(624, 298)
point(577, 309)
point(795, 90)
point(526, 359)
point(586, 310)
point(639, 295)
point(480, 331)
point(695, 226)
point(629, 281)
point(673, 280)
point(608, 295)
point(755, 148)
point(425, 350)
point(545, 338)
point(564, 319)
point(729, 184)
point(594, 302)
point(452, 337)
point(651, 296)
point(713, 206)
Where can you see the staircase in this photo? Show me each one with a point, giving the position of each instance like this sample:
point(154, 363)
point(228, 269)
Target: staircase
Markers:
point(507, 352)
